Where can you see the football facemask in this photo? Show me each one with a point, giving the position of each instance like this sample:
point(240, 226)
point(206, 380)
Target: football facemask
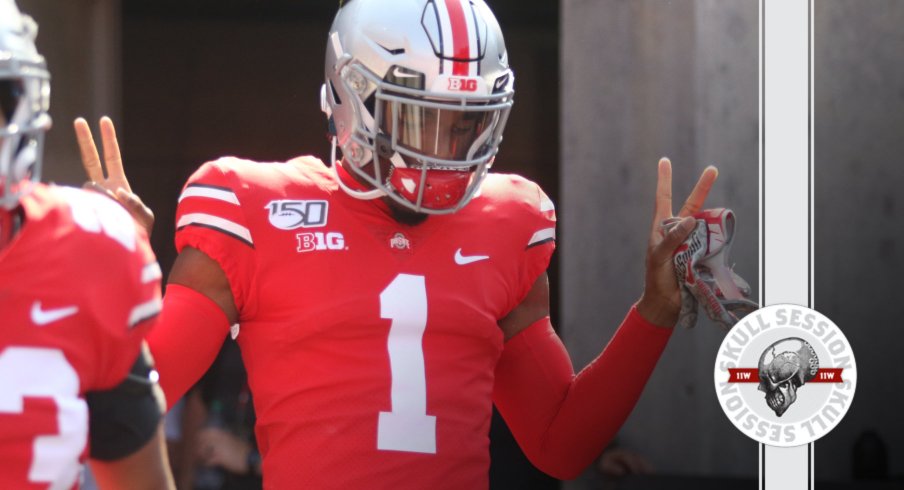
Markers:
point(24, 101)
point(705, 277)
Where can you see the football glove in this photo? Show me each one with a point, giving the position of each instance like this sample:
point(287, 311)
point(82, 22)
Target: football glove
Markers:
point(705, 277)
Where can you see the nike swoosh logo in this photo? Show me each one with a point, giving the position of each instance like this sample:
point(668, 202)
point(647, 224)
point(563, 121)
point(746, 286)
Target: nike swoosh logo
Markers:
point(42, 317)
point(401, 74)
point(499, 83)
point(468, 259)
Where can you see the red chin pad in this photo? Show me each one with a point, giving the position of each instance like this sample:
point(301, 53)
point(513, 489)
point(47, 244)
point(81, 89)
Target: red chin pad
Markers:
point(443, 188)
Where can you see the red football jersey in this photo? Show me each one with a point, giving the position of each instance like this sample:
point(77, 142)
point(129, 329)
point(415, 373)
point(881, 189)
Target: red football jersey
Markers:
point(370, 345)
point(79, 286)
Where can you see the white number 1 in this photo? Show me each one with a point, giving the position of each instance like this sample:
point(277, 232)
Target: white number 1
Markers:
point(407, 427)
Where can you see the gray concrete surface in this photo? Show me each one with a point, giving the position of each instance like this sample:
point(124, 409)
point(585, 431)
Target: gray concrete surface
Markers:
point(648, 78)
point(859, 140)
point(80, 41)
point(641, 80)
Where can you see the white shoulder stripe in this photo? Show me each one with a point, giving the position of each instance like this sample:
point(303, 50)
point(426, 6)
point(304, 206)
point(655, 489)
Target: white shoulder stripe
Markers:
point(151, 272)
point(144, 311)
point(542, 235)
point(211, 193)
point(547, 205)
point(216, 222)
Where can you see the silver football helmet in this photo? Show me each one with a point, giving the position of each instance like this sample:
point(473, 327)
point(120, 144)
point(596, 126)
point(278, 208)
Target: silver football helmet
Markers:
point(24, 101)
point(417, 95)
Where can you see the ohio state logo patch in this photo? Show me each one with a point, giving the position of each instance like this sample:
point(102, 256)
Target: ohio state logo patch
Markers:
point(785, 375)
point(399, 241)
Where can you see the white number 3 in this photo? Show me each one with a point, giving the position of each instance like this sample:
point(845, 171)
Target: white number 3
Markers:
point(42, 372)
point(407, 427)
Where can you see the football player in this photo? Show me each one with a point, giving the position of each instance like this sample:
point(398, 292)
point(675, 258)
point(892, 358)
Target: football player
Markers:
point(79, 287)
point(385, 302)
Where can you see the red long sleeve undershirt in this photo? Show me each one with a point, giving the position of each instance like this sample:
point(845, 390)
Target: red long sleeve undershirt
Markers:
point(563, 421)
point(188, 335)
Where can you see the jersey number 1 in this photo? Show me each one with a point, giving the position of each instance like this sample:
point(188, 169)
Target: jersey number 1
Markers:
point(407, 427)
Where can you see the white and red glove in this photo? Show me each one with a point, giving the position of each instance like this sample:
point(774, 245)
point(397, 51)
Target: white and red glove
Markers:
point(704, 274)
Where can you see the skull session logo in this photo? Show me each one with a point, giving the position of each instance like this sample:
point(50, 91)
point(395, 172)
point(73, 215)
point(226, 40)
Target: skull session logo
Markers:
point(785, 375)
point(781, 374)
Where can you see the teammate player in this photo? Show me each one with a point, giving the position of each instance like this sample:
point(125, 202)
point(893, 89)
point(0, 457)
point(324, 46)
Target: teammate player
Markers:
point(79, 287)
point(384, 303)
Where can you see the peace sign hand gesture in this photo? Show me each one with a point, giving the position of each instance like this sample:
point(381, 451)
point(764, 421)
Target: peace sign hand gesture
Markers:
point(115, 184)
point(660, 303)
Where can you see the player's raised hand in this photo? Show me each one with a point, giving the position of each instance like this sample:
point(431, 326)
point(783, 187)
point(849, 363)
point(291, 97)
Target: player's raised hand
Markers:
point(114, 184)
point(660, 303)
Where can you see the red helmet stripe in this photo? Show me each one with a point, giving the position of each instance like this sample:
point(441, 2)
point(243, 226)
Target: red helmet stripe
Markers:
point(460, 42)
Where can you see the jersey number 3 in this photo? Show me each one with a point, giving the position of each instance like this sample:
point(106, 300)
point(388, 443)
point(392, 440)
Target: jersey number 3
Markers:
point(407, 427)
point(42, 372)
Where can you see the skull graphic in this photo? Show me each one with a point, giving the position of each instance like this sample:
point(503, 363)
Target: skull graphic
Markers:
point(784, 367)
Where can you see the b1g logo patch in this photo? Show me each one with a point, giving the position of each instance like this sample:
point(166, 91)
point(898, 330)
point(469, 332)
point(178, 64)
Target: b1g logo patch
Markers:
point(289, 215)
point(785, 375)
point(462, 84)
point(318, 240)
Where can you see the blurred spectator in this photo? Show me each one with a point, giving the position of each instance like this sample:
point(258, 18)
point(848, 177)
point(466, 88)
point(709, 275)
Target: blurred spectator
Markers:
point(218, 429)
point(618, 461)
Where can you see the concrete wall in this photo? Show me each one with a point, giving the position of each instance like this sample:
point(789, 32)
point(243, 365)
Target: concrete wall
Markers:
point(642, 79)
point(648, 78)
point(859, 191)
point(80, 41)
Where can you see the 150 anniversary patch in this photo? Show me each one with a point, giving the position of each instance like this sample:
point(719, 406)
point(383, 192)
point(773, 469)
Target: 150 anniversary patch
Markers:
point(785, 375)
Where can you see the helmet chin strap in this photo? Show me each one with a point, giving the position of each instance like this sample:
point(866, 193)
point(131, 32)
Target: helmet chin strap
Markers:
point(357, 194)
point(397, 160)
point(479, 142)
